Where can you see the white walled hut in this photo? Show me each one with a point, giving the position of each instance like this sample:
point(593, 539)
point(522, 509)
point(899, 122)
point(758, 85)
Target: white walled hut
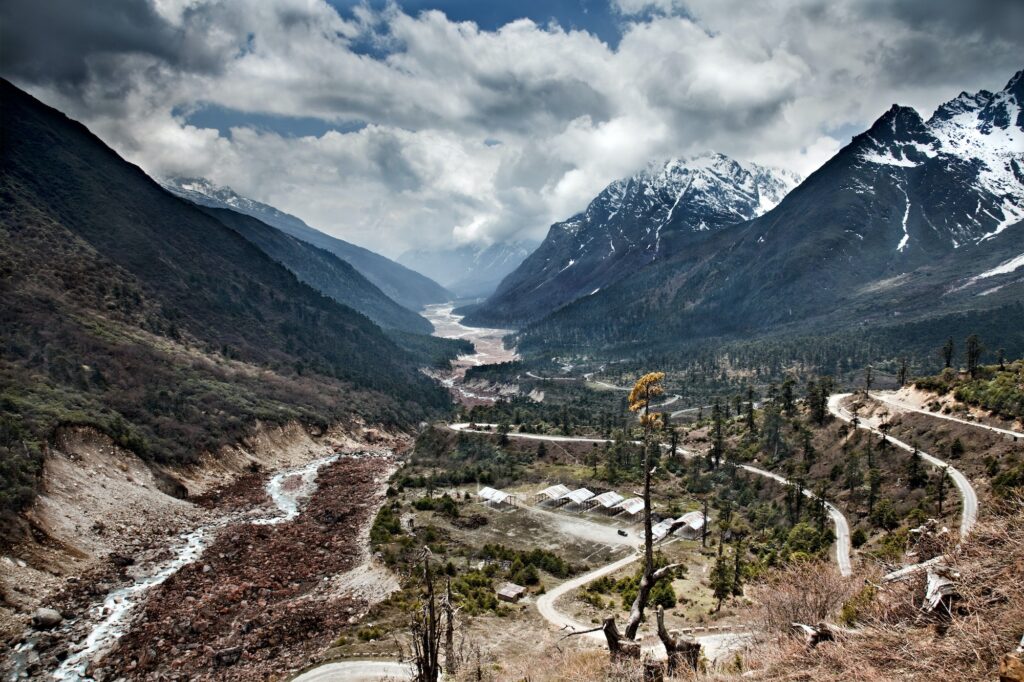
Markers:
point(690, 525)
point(660, 530)
point(555, 494)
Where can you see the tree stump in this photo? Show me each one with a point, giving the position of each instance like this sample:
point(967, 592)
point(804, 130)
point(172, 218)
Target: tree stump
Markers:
point(654, 671)
point(682, 651)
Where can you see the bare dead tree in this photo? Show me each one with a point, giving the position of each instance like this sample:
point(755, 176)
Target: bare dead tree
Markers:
point(426, 633)
point(451, 661)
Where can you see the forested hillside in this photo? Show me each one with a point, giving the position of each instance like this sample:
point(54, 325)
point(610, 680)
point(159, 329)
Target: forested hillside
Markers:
point(325, 272)
point(132, 311)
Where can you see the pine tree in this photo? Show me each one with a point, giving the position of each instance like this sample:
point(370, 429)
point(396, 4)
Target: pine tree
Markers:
point(941, 485)
point(947, 353)
point(916, 476)
point(751, 424)
point(973, 351)
point(788, 400)
point(737, 569)
point(874, 482)
point(809, 452)
point(721, 581)
point(717, 435)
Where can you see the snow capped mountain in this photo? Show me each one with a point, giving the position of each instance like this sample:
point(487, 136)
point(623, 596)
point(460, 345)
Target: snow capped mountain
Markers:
point(471, 270)
point(699, 193)
point(408, 288)
point(632, 222)
point(977, 140)
point(914, 219)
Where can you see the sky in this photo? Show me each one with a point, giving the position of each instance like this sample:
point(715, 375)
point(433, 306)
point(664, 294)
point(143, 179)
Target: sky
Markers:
point(424, 125)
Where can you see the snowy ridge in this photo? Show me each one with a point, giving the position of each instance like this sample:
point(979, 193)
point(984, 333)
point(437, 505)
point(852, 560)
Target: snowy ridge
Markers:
point(705, 185)
point(981, 136)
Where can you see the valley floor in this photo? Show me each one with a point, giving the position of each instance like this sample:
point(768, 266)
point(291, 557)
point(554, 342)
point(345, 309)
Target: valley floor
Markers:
point(249, 577)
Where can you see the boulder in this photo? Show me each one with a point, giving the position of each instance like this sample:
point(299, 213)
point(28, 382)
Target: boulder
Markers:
point(45, 618)
point(228, 656)
point(1011, 668)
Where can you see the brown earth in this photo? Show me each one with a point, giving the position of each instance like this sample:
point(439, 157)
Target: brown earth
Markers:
point(257, 603)
point(105, 516)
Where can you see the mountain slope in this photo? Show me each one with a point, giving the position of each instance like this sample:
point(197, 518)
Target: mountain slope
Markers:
point(325, 272)
point(911, 218)
point(132, 311)
point(633, 222)
point(408, 288)
point(470, 271)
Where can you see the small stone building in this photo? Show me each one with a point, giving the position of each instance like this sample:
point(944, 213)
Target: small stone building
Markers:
point(511, 592)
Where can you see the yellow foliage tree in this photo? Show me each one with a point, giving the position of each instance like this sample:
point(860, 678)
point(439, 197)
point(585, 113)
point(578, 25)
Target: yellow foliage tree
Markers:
point(648, 386)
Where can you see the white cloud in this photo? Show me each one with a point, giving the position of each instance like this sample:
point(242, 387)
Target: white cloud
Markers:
point(768, 81)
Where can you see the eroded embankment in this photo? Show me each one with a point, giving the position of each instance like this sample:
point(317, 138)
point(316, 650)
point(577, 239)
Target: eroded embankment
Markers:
point(104, 523)
point(261, 600)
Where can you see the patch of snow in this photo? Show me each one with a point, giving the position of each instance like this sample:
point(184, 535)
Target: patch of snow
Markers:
point(906, 214)
point(1002, 269)
point(1011, 214)
point(887, 159)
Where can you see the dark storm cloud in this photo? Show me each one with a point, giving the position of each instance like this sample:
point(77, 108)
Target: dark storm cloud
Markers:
point(987, 19)
point(948, 42)
point(65, 42)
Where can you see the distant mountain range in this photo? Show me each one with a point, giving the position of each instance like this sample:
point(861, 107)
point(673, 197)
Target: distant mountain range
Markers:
point(913, 219)
point(325, 272)
point(406, 287)
point(134, 312)
point(631, 223)
point(470, 271)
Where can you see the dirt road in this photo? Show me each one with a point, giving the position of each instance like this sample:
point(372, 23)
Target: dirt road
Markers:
point(969, 508)
point(357, 671)
point(897, 401)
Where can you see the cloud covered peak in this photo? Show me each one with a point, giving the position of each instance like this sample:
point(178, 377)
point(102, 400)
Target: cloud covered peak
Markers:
point(400, 131)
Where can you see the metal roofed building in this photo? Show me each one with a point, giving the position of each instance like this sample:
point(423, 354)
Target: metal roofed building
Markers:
point(692, 525)
point(511, 592)
point(497, 497)
point(632, 506)
point(661, 529)
point(555, 493)
point(605, 501)
point(578, 496)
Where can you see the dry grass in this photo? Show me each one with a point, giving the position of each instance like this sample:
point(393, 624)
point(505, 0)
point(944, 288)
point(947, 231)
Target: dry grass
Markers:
point(896, 641)
point(802, 592)
point(891, 640)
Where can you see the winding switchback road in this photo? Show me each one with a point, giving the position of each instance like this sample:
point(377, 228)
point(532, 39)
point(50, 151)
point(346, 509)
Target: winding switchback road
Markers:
point(894, 400)
point(969, 508)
